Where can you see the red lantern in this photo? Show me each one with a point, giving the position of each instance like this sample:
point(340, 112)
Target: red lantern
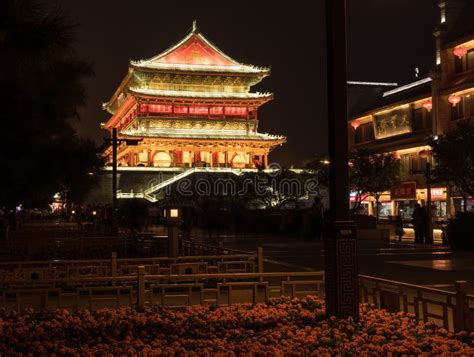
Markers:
point(424, 154)
point(355, 124)
point(428, 105)
point(460, 52)
point(454, 99)
point(396, 155)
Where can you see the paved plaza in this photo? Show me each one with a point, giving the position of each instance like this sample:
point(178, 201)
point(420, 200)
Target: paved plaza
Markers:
point(428, 265)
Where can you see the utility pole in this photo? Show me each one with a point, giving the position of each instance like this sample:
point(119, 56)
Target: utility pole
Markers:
point(340, 247)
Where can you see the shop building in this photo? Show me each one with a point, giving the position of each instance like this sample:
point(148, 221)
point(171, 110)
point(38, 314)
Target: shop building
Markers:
point(402, 120)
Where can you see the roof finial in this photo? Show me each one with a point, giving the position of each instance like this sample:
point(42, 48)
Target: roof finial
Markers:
point(194, 25)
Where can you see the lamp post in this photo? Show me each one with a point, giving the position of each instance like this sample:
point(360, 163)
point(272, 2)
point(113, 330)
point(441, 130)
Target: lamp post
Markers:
point(114, 141)
point(173, 221)
point(340, 246)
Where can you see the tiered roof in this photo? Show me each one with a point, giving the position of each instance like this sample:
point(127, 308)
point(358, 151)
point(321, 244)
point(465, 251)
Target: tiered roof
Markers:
point(196, 53)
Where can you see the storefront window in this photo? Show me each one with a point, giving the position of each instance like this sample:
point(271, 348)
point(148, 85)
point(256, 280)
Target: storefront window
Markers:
point(385, 209)
point(441, 209)
point(470, 205)
point(405, 209)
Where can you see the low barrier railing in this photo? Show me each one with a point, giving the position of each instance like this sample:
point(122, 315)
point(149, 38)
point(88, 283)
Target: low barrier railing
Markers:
point(166, 290)
point(452, 309)
point(144, 286)
point(188, 248)
point(67, 246)
point(36, 271)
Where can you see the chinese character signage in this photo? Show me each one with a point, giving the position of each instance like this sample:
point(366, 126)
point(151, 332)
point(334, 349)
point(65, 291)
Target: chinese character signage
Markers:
point(395, 122)
point(438, 194)
point(406, 191)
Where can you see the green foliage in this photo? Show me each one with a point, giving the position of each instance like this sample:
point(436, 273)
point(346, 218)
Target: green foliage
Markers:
point(454, 156)
point(41, 93)
point(372, 174)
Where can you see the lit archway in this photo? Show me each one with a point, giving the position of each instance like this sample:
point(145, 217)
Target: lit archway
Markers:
point(162, 159)
point(239, 161)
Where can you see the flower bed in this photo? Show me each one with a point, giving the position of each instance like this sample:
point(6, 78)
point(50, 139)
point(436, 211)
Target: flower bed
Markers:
point(292, 327)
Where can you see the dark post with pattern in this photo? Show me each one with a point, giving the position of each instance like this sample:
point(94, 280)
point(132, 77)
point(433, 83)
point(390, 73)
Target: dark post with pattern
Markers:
point(340, 249)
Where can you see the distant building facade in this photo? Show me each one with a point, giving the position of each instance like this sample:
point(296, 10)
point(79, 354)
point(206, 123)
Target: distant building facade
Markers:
point(192, 107)
point(401, 120)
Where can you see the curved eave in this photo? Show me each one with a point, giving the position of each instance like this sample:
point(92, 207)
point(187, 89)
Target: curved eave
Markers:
point(206, 69)
point(257, 138)
point(125, 81)
point(204, 97)
point(115, 119)
point(203, 70)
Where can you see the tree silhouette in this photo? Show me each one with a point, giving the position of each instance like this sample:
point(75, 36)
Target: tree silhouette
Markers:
point(372, 174)
point(41, 92)
point(454, 156)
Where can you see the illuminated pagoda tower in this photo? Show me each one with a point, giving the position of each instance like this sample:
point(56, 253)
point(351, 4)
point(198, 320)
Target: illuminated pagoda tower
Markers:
point(192, 107)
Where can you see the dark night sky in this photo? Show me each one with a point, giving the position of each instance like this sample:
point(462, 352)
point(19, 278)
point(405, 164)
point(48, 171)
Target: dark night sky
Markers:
point(387, 39)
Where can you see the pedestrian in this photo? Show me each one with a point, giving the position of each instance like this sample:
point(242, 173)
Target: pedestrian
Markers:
point(399, 231)
point(317, 218)
point(424, 225)
point(417, 223)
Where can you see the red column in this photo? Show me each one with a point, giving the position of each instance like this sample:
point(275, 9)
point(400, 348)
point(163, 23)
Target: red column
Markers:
point(197, 156)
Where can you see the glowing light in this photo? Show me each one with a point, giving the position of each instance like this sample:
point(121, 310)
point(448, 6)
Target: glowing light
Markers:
point(460, 52)
point(174, 213)
point(94, 213)
point(73, 212)
point(159, 108)
point(355, 124)
point(180, 109)
point(216, 110)
point(454, 99)
point(428, 105)
point(198, 110)
point(424, 154)
point(396, 155)
point(235, 111)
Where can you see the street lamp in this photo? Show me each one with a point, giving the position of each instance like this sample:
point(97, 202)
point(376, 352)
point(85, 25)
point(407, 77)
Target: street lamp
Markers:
point(173, 221)
point(340, 246)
